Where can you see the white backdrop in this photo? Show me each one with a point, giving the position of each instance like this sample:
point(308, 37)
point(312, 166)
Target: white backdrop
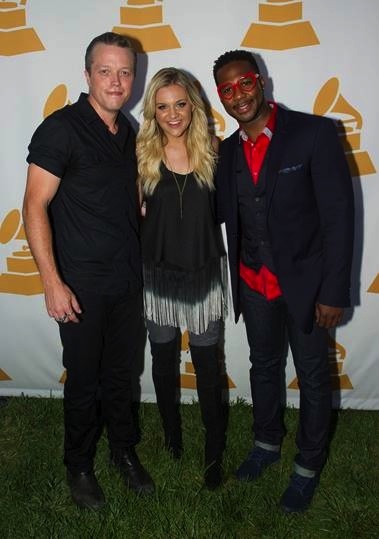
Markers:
point(316, 57)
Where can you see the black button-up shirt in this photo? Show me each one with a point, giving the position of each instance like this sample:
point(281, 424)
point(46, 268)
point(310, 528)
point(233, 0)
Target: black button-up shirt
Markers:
point(94, 212)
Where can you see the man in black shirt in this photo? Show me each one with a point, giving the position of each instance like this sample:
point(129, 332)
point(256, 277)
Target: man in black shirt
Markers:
point(80, 215)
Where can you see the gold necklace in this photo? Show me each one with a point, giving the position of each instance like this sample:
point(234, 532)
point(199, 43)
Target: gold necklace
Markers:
point(180, 190)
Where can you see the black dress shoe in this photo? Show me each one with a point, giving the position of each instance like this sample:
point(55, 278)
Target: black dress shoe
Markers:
point(213, 475)
point(175, 451)
point(85, 490)
point(132, 471)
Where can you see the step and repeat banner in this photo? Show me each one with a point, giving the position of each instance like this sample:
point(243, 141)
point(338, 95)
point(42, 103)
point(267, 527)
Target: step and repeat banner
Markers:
point(317, 57)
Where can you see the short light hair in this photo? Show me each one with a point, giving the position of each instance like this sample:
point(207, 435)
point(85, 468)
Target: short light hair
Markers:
point(109, 38)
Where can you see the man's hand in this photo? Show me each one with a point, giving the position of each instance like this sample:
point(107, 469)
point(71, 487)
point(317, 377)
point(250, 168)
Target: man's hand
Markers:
point(41, 188)
point(61, 303)
point(327, 316)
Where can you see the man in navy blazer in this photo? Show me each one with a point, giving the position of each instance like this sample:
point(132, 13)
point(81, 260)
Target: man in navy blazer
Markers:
point(285, 194)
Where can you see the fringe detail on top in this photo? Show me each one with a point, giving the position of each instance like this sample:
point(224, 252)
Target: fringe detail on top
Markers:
point(186, 299)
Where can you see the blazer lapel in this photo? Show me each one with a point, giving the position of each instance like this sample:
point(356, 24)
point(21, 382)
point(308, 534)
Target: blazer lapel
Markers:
point(241, 167)
point(232, 171)
point(275, 152)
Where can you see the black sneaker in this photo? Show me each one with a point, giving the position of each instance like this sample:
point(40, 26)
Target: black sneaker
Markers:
point(256, 462)
point(299, 493)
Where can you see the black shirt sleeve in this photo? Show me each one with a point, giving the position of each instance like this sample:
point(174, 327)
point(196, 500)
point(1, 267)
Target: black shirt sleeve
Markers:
point(50, 147)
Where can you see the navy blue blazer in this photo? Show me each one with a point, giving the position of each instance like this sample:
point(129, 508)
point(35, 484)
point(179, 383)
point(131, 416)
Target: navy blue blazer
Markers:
point(309, 208)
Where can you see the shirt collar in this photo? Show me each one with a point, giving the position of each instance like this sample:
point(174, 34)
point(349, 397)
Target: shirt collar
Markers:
point(87, 110)
point(268, 130)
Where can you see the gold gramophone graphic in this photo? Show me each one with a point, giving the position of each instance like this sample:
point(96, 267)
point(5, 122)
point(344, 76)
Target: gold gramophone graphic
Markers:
point(374, 286)
point(142, 21)
point(57, 99)
point(15, 36)
point(280, 27)
point(4, 377)
point(216, 123)
point(337, 355)
point(330, 101)
point(22, 275)
point(188, 379)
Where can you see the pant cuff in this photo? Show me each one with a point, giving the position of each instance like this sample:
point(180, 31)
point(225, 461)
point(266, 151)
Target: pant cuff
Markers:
point(305, 472)
point(267, 447)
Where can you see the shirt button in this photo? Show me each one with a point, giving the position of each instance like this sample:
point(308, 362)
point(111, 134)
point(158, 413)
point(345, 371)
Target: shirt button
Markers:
point(263, 242)
point(257, 199)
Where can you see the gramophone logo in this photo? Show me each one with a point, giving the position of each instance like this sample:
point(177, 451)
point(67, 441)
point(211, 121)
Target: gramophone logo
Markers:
point(188, 378)
point(216, 122)
point(280, 27)
point(339, 380)
point(15, 36)
point(142, 21)
point(329, 101)
point(57, 99)
point(4, 377)
point(21, 275)
point(374, 286)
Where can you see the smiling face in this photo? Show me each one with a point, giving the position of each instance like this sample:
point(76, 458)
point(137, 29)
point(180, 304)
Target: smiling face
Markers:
point(173, 111)
point(246, 106)
point(110, 79)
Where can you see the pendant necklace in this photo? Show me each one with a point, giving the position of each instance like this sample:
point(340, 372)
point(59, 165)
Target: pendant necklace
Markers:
point(180, 190)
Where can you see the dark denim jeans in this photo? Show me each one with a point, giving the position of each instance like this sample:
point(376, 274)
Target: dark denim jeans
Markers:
point(270, 328)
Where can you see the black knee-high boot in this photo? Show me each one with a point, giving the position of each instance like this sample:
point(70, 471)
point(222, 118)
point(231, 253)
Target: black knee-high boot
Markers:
point(207, 367)
point(165, 375)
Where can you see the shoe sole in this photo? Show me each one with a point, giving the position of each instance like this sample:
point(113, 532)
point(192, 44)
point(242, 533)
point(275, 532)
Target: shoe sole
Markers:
point(291, 510)
point(82, 505)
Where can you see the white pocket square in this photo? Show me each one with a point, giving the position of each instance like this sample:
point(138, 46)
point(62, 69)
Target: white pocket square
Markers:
point(288, 170)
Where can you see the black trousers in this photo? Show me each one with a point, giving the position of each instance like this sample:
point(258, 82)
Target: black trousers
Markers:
point(98, 354)
point(269, 328)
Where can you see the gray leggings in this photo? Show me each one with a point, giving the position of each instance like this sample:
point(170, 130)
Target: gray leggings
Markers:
point(162, 334)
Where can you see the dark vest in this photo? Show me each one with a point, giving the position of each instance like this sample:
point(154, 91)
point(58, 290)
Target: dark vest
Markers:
point(255, 244)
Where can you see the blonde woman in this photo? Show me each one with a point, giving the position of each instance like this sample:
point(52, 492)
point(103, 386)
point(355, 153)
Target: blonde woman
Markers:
point(184, 259)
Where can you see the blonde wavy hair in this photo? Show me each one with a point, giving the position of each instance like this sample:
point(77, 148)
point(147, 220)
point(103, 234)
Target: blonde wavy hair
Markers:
point(151, 140)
